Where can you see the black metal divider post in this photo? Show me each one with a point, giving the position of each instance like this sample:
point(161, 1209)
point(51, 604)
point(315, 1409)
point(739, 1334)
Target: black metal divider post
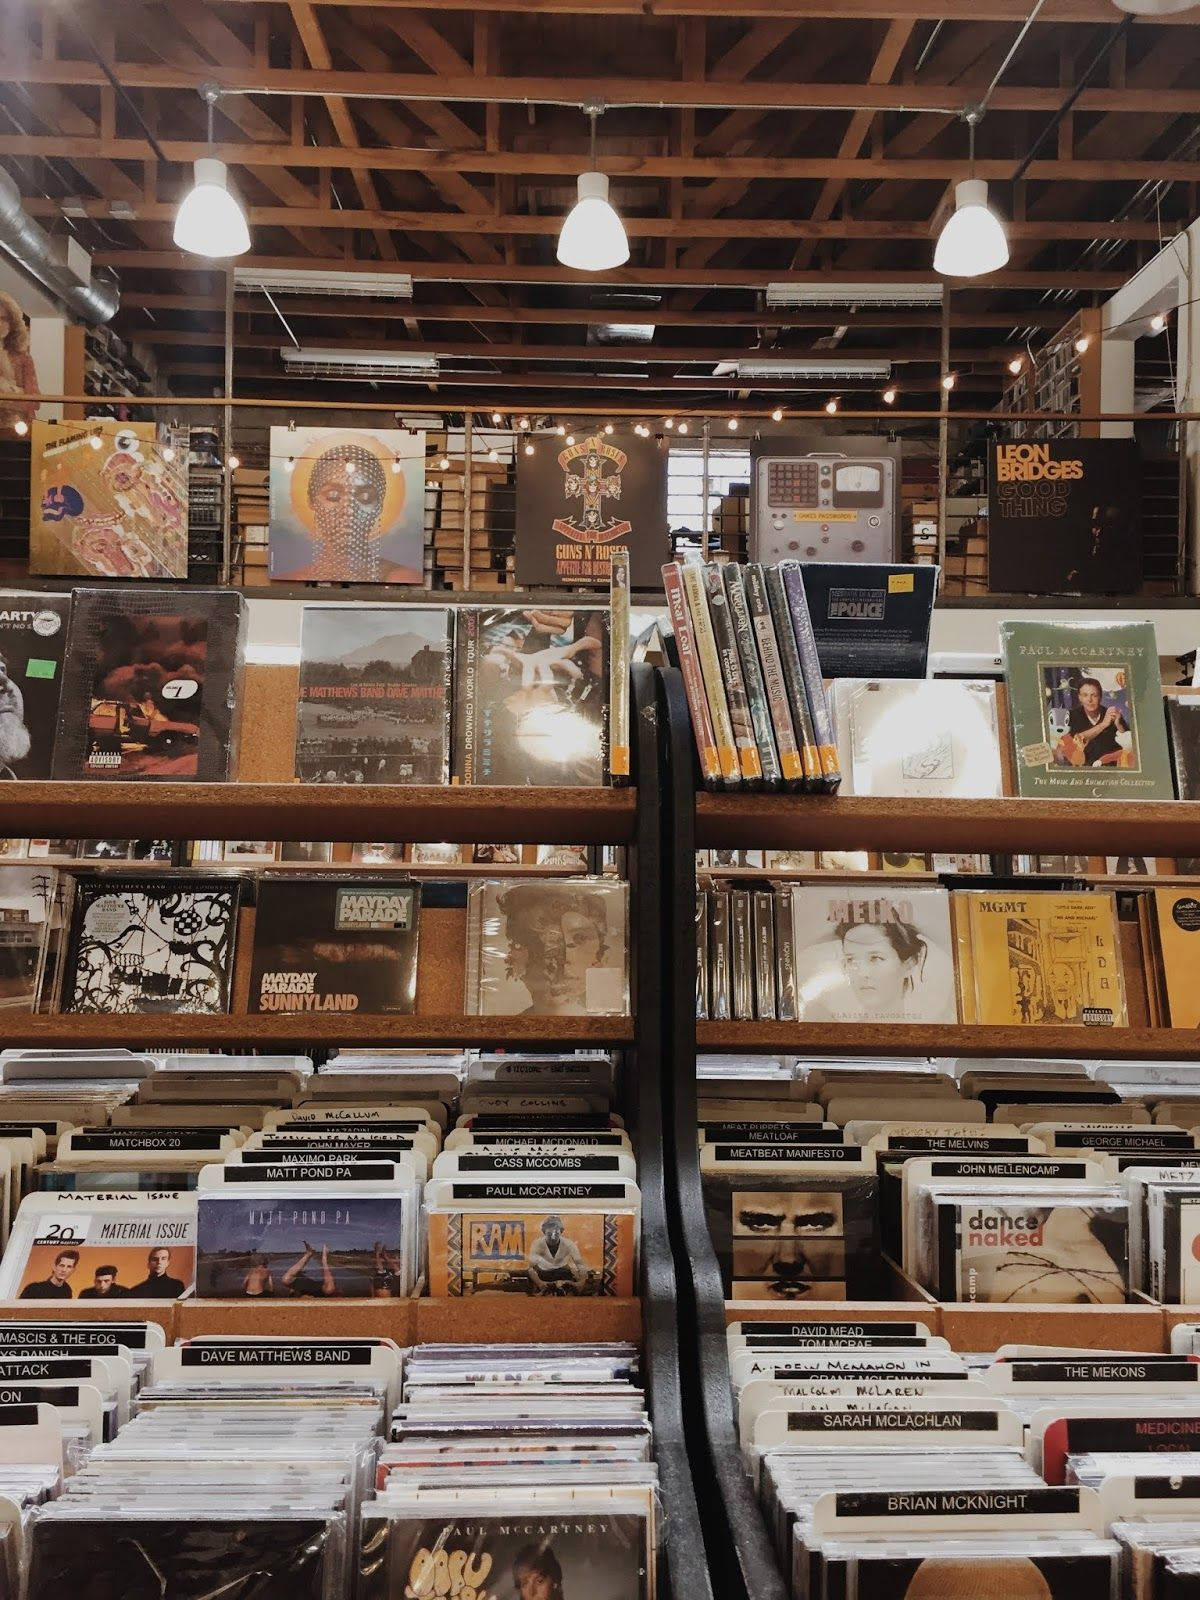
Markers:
point(740, 1555)
point(686, 1569)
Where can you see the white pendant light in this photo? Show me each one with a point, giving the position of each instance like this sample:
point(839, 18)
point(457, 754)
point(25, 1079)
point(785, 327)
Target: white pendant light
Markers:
point(972, 240)
point(593, 238)
point(1154, 8)
point(210, 220)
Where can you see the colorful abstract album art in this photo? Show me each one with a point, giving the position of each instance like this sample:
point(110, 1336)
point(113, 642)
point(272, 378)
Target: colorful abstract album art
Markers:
point(107, 500)
point(347, 506)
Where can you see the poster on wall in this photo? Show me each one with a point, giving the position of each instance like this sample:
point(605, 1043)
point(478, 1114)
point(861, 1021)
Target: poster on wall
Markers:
point(1064, 517)
point(107, 500)
point(580, 504)
point(347, 505)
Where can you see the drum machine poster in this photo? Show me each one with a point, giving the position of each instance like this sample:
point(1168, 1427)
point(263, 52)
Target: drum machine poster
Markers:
point(819, 498)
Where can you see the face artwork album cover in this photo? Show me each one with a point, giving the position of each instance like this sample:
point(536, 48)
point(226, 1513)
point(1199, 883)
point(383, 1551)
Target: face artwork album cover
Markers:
point(375, 695)
point(26, 898)
point(150, 684)
point(335, 944)
point(497, 1556)
point(531, 698)
point(874, 954)
point(33, 638)
point(315, 1245)
point(581, 504)
point(1087, 710)
point(347, 506)
point(151, 944)
point(108, 500)
point(1044, 957)
point(192, 1557)
point(788, 1238)
point(552, 949)
point(527, 1251)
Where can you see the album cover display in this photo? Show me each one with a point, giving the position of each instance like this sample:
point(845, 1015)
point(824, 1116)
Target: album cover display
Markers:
point(150, 685)
point(375, 694)
point(1043, 957)
point(1004, 1570)
point(188, 1556)
point(26, 897)
point(873, 954)
point(1087, 712)
point(333, 943)
point(870, 620)
point(787, 1237)
point(1177, 928)
point(97, 1247)
point(1064, 517)
point(907, 737)
point(108, 499)
point(347, 505)
point(147, 944)
point(1183, 725)
point(532, 1250)
point(531, 696)
point(559, 947)
point(318, 1242)
point(600, 1555)
point(1013, 1250)
point(33, 637)
point(580, 504)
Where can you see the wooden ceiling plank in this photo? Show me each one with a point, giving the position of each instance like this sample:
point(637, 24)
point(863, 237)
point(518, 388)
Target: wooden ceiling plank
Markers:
point(1006, 11)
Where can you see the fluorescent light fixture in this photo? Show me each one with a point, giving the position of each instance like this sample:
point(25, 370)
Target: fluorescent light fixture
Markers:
point(358, 363)
point(818, 295)
point(308, 280)
point(973, 240)
point(815, 371)
point(620, 333)
point(210, 222)
point(593, 236)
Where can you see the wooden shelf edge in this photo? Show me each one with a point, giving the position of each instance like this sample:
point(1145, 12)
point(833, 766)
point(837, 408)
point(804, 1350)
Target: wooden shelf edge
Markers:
point(945, 1039)
point(453, 814)
point(1010, 825)
point(147, 1029)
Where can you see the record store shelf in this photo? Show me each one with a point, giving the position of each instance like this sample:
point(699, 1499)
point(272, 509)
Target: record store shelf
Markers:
point(865, 822)
point(299, 1029)
point(945, 1039)
point(453, 814)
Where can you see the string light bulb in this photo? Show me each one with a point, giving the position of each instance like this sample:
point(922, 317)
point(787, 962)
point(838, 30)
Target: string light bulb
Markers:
point(397, 465)
point(290, 464)
point(349, 467)
point(529, 448)
point(732, 424)
point(95, 441)
point(1158, 322)
point(1016, 365)
point(889, 395)
point(608, 427)
point(831, 407)
point(570, 440)
point(683, 427)
point(949, 381)
point(523, 424)
point(493, 454)
point(1082, 345)
point(777, 414)
point(168, 452)
point(20, 427)
point(668, 422)
point(497, 417)
point(444, 464)
point(561, 429)
point(233, 463)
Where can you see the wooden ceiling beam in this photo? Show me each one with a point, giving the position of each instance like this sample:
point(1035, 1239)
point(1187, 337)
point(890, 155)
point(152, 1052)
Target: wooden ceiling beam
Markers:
point(621, 278)
point(341, 218)
point(547, 164)
point(794, 10)
point(421, 91)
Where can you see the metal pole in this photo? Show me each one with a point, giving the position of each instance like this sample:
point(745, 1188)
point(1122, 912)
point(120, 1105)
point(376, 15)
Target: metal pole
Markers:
point(944, 432)
point(227, 439)
point(468, 441)
point(705, 514)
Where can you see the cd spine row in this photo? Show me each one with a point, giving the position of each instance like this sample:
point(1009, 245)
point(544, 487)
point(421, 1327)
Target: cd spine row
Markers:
point(806, 645)
point(756, 692)
point(710, 667)
point(693, 678)
point(791, 766)
point(749, 762)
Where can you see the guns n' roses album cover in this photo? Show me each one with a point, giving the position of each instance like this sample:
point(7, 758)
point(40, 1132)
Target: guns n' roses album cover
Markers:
point(580, 504)
point(531, 696)
point(497, 1556)
point(108, 500)
point(873, 954)
point(347, 506)
point(1087, 710)
point(335, 944)
point(375, 686)
point(151, 944)
point(149, 685)
point(33, 638)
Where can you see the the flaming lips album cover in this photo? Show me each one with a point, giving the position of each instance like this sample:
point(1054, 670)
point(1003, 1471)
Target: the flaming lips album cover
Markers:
point(347, 506)
point(581, 503)
point(108, 500)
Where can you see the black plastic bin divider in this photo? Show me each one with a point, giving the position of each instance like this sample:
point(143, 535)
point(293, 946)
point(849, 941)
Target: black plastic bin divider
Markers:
point(739, 1551)
point(683, 1572)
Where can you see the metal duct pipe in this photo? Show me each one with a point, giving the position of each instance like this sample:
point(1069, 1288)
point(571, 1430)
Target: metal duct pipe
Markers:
point(31, 248)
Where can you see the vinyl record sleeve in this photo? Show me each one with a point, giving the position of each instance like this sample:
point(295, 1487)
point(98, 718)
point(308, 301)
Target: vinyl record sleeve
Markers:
point(1177, 925)
point(531, 696)
point(970, 1568)
point(915, 738)
point(1085, 700)
point(871, 620)
point(532, 1250)
point(874, 953)
point(334, 943)
point(1044, 957)
point(33, 640)
point(27, 896)
point(581, 1554)
point(150, 685)
point(63, 1247)
point(149, 944)
point(326, 1242)
point(1183, 725)
point(998, 1249)
point(375, 694)
point(555, 948)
